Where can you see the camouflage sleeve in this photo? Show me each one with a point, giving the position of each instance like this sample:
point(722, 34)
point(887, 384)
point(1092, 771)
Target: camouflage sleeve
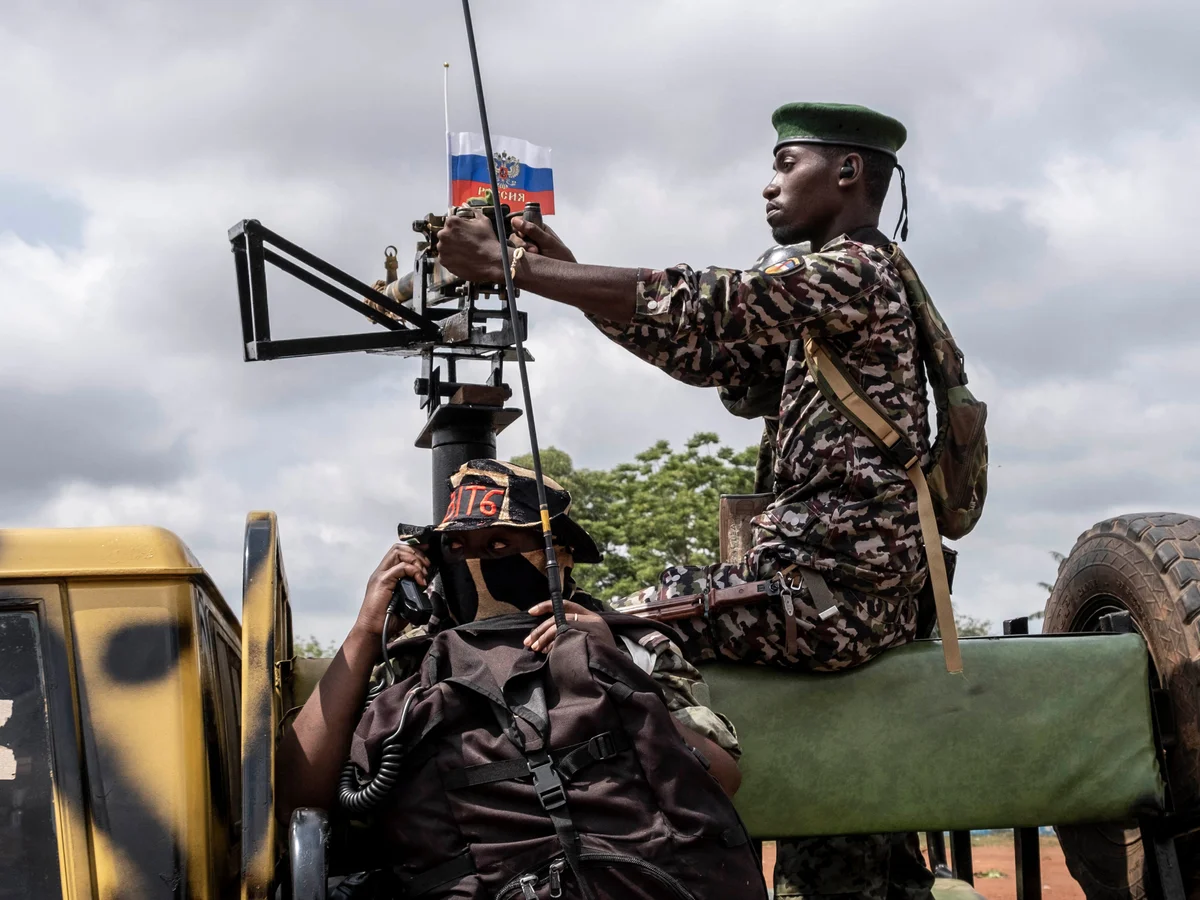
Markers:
point(403, 664)
point(722, 327)
point(684, 689)
point(828, 292)
point(696, 362)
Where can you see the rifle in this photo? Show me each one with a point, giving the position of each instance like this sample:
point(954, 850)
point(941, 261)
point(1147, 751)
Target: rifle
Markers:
point(690, 606)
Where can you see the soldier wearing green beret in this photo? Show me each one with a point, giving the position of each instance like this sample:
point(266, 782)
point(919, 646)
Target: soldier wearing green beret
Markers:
point(843, 530)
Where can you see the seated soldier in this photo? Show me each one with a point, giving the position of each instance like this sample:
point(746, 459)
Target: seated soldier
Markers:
point(501, 547)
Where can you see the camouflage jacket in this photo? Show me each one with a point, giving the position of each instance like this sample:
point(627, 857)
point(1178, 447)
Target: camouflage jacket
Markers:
point(839, 506)
point(684, 689)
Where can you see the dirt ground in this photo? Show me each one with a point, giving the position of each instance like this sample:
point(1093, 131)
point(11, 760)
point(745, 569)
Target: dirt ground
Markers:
point(992, 858)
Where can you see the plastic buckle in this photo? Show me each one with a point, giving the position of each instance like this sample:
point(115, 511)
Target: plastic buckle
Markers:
point(602, 746)
point(548, 785)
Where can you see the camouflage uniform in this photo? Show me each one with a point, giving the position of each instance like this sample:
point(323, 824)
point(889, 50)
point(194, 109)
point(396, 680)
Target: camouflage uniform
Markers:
point(874, 866)
point(864, 626)
point(840, 508)
point(683, 688)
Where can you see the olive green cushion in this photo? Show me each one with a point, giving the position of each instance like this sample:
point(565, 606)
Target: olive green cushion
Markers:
point(1037, 731)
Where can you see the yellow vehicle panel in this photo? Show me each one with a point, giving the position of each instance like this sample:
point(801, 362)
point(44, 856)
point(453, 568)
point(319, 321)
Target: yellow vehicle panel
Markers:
point(102, 552)
point(139, 679)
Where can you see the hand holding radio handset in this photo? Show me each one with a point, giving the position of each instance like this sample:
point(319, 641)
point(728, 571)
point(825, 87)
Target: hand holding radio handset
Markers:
point(400, 577)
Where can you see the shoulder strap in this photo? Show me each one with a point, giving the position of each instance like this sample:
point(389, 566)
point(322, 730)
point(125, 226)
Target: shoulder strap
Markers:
point(943, 358)
point(859, 408)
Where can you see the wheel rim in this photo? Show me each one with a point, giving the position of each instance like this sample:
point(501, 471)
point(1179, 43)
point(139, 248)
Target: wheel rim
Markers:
point(1087, 617)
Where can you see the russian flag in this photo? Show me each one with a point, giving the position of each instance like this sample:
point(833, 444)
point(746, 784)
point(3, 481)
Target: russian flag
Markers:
point(522, 171)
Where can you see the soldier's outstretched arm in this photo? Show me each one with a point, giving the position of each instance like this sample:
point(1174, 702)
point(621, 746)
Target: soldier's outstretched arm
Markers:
point(828, 291)
point(700, 363)
point(468, 248)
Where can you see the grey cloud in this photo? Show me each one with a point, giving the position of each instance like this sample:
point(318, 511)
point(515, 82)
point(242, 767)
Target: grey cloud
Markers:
point(1096, 491)
point(98, 435)
point(372, 100)
point(963, 247)
point(1084, 329)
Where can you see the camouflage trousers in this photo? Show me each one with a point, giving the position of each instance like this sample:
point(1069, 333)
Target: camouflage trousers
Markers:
point(867, 866)
point(863, 626)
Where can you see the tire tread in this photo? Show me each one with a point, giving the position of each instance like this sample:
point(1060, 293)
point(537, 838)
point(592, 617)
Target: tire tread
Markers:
point(1151, 563)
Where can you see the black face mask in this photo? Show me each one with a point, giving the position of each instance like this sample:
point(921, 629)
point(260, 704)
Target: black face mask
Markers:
point(516, 580)
point(487, 587)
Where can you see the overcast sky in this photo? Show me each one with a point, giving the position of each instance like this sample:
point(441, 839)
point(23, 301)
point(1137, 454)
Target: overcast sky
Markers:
point(1052, 177)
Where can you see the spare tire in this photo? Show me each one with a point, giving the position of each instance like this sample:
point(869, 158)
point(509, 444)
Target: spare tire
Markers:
point(1147, 564)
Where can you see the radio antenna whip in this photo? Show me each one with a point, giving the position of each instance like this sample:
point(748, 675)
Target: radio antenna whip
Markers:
point(552, 570)
point(449, 149)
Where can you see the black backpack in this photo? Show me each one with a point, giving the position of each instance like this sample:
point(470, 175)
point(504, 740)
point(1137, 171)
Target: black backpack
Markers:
point(497, 772)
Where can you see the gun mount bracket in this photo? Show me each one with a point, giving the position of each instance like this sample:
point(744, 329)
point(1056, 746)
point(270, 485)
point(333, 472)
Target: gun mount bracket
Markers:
point(464, 331)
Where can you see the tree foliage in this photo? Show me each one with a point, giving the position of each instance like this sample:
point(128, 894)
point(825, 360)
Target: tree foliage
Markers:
point(657, 511)
point(314, 649)
point(969, 626)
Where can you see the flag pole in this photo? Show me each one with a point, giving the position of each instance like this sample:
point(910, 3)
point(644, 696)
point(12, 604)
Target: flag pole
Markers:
point(446, 110)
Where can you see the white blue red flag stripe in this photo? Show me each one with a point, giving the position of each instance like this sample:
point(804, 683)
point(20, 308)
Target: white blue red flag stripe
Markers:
point(523, 171)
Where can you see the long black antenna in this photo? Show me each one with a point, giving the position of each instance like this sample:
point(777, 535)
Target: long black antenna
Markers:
point(552, 570)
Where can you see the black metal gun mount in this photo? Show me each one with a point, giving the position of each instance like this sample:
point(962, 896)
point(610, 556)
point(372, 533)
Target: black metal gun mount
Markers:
point(427, 313)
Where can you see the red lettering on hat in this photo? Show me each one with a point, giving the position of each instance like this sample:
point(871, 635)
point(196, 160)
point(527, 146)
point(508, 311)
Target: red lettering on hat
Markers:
point(487, 506)
point(474, 489)
point(452, 506)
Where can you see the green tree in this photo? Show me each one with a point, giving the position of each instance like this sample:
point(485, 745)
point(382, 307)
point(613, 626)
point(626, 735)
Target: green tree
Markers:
point(969, 626)
point(659, 510)
point(313, 648)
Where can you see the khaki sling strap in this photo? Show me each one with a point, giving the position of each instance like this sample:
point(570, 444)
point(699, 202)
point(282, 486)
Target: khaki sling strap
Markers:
point(852, 401)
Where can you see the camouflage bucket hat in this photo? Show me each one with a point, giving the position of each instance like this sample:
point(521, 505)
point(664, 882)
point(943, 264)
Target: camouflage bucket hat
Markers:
point(487, 492)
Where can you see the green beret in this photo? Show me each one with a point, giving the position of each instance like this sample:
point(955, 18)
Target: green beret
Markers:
point(838, 123)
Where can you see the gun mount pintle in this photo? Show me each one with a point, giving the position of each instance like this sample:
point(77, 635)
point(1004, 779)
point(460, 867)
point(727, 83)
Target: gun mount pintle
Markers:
point(427, 313)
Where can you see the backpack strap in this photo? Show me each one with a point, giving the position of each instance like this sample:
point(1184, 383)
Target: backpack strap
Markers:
point(550, 789)
point(569, 763)
point(860, 409)
point(451, 872)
